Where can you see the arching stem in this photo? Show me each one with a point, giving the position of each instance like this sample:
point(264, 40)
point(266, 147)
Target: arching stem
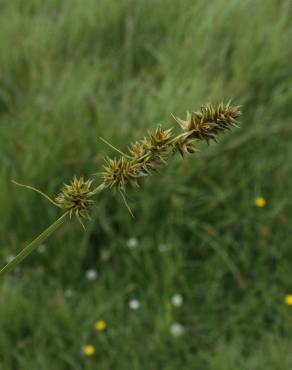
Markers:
point(34, 244)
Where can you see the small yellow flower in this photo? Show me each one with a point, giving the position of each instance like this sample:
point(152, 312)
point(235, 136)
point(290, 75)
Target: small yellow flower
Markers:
point(88, 350)
point(260, 202)
point(288, 299)
point(100, 325)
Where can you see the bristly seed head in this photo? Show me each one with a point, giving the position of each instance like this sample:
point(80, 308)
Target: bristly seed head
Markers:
point(76, 197)
point(120, 172)
point(151, 151)
point(143, 157)
point(147, 155)
point(207, 123)
point(159, 140)
point(184, 145)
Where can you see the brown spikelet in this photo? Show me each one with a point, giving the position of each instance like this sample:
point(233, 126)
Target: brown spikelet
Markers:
point(184, 146)
point(209, 121)
point(151, 151)
point(158, 141)
point(142, 156)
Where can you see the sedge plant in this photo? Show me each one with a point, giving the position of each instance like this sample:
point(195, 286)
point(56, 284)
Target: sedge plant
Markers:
point(143, 158)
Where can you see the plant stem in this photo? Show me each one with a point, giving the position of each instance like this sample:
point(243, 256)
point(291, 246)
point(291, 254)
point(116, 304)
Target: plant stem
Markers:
point(100, 188)
point(32, 245)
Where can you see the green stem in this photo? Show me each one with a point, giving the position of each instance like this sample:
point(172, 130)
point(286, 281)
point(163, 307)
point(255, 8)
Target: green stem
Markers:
point(32, 245)
point(100, 188)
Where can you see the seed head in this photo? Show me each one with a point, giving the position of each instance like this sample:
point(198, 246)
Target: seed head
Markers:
point(138, 150)
point(153, 142)
point(184, 145)
point(207, 123)
point(121, 172)
point(159, 140)
point(143, 157)
point(76, 197)
point(151, 151)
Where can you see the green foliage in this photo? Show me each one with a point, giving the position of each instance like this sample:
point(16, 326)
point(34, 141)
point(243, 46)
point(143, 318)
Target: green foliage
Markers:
point(75, 70)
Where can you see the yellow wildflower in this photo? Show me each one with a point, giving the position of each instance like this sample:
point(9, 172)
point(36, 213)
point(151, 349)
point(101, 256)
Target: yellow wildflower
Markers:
point(100, 325)
point(288, 299)
point(88, 350)
point(260, 202)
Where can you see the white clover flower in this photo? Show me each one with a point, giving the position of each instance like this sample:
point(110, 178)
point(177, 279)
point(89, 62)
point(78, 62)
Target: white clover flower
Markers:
point(134, 304)
point(91, 274)
point(177, 300)
point(132, 243)
point(177, 329)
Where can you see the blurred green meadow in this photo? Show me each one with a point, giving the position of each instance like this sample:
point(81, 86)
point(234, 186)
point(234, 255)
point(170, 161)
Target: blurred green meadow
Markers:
point(199, 278)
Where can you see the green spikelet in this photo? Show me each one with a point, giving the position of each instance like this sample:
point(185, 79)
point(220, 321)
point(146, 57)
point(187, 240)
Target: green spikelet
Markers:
point(76, 197)
point(120, 172)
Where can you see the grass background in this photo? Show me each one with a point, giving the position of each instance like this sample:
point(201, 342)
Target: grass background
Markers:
point(74, 70)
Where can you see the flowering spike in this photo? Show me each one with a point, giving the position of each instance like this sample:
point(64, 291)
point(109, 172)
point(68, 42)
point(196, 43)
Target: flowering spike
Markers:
point(75, 197)
point(145, 156)
point(184, 146)
point(120, 172)
point(207, 123)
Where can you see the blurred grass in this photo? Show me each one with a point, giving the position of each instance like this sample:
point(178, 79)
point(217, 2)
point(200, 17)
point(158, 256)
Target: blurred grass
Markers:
point(74, 70)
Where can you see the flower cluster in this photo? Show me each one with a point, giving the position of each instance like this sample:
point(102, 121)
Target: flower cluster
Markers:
point(76, 197)
point(120, 172)
point(147, 155)
point(209, 121)
point(152, 150)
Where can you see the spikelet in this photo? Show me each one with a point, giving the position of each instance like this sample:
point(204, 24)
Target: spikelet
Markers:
point(184, 145)
point(159, 140)
point(137, 150)
point(142, 156)
point(76, 197)
point(121, 172)
point(152, 150)
point(207, 123)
